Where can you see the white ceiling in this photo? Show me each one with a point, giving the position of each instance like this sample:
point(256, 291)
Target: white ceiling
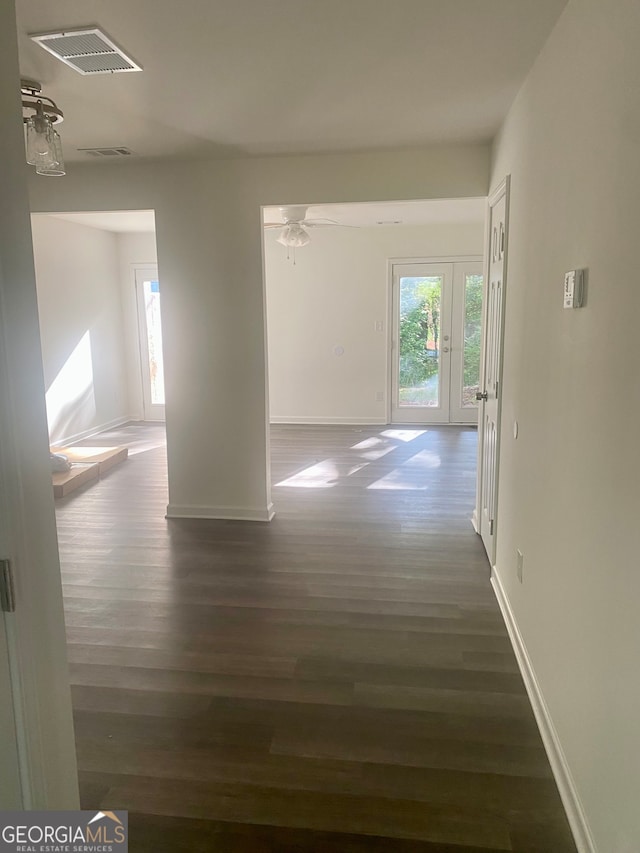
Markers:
point(250, 77)
point(366, 214)
point(119, 221)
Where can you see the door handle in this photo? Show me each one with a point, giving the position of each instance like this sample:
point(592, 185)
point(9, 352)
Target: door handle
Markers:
point(445, 349)
point(482, 395)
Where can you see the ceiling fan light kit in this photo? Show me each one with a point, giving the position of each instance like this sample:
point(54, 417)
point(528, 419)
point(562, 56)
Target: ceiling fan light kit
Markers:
point(294, 235)
point(294, 231)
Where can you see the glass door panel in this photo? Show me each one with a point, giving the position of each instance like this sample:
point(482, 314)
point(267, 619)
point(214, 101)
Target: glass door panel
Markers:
point(419, 341)
point(421, 348)
point(155, 365)
point(150, 337)
point(473, 287)
point(465, 341)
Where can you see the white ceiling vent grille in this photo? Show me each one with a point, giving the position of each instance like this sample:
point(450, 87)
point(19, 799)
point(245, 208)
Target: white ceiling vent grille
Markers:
point(88, 51)
point(120, 151)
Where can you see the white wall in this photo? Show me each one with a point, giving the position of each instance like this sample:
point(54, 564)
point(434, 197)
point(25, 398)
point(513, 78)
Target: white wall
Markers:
point(333, 296)
point(134, 250)
point(208, 226)
point(34, 633)
point(81, 326)
point(569, 486)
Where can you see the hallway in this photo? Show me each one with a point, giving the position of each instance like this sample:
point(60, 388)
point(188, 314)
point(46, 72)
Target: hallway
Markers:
point(340, 679)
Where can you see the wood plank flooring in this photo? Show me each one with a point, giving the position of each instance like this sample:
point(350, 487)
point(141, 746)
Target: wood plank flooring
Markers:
point(338, 680)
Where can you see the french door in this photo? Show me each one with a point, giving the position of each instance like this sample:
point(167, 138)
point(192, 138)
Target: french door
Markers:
point(436, 323)
point(150, 338)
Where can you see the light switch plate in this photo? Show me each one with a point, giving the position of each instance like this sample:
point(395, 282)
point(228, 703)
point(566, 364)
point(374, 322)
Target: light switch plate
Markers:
point(573, 286)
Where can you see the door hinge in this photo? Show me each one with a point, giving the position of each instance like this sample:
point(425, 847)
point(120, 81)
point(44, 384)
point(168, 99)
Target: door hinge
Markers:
point(7, 594)
point(491, 528)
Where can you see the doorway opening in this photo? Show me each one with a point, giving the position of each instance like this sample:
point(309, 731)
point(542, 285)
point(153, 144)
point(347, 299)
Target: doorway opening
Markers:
point(329, 316)
point(97, 326)
point(91, 271)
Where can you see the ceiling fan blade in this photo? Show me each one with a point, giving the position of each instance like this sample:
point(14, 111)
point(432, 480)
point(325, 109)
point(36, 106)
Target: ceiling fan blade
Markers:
point(320, 221)
point(314, 223)
point(274, 224)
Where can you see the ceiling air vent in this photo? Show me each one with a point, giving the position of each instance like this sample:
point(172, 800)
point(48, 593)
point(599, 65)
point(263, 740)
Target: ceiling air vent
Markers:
point(88, 51)
point(107, 152)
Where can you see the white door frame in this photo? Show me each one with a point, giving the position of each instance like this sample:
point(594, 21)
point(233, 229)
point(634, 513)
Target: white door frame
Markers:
point(391, 263)
point(490, 537)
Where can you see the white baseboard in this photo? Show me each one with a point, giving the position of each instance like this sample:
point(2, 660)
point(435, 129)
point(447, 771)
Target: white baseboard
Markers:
point(561, 771)
point(223, 513)
point(291, 419)
point(474, 520)
point(89, 433)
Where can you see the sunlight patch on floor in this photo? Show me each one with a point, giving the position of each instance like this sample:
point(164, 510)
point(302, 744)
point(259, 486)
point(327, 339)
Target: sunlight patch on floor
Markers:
point(403, 434)
point(409, 476)
point(323, 475)
point(374, 448)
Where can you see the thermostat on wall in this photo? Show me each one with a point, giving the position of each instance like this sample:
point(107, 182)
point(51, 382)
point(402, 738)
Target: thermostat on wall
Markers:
point(573, 286)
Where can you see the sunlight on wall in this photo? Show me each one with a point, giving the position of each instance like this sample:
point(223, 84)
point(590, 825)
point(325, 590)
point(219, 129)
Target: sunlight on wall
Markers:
point(71, 404)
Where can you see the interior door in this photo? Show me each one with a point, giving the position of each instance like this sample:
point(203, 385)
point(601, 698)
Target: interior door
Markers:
point(150, 338)
point(489, 415)
point(421, 345)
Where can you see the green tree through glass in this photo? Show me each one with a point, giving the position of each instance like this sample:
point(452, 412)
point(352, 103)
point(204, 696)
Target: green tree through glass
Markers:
point(472, 338)
point(420, 310)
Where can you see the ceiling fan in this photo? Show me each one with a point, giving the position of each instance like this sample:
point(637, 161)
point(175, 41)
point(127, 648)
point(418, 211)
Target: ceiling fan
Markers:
point(295, 226)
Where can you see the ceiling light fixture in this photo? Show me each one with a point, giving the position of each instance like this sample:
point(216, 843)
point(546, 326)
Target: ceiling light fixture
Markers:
point(39, 113)
point(294, 236)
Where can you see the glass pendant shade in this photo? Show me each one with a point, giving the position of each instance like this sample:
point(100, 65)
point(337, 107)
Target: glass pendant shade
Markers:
point(31, 133)
point(40, 142)
point(294, 236)
point(56, 168)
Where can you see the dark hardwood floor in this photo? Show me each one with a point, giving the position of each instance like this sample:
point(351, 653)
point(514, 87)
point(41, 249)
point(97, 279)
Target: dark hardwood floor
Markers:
point(338, 680)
